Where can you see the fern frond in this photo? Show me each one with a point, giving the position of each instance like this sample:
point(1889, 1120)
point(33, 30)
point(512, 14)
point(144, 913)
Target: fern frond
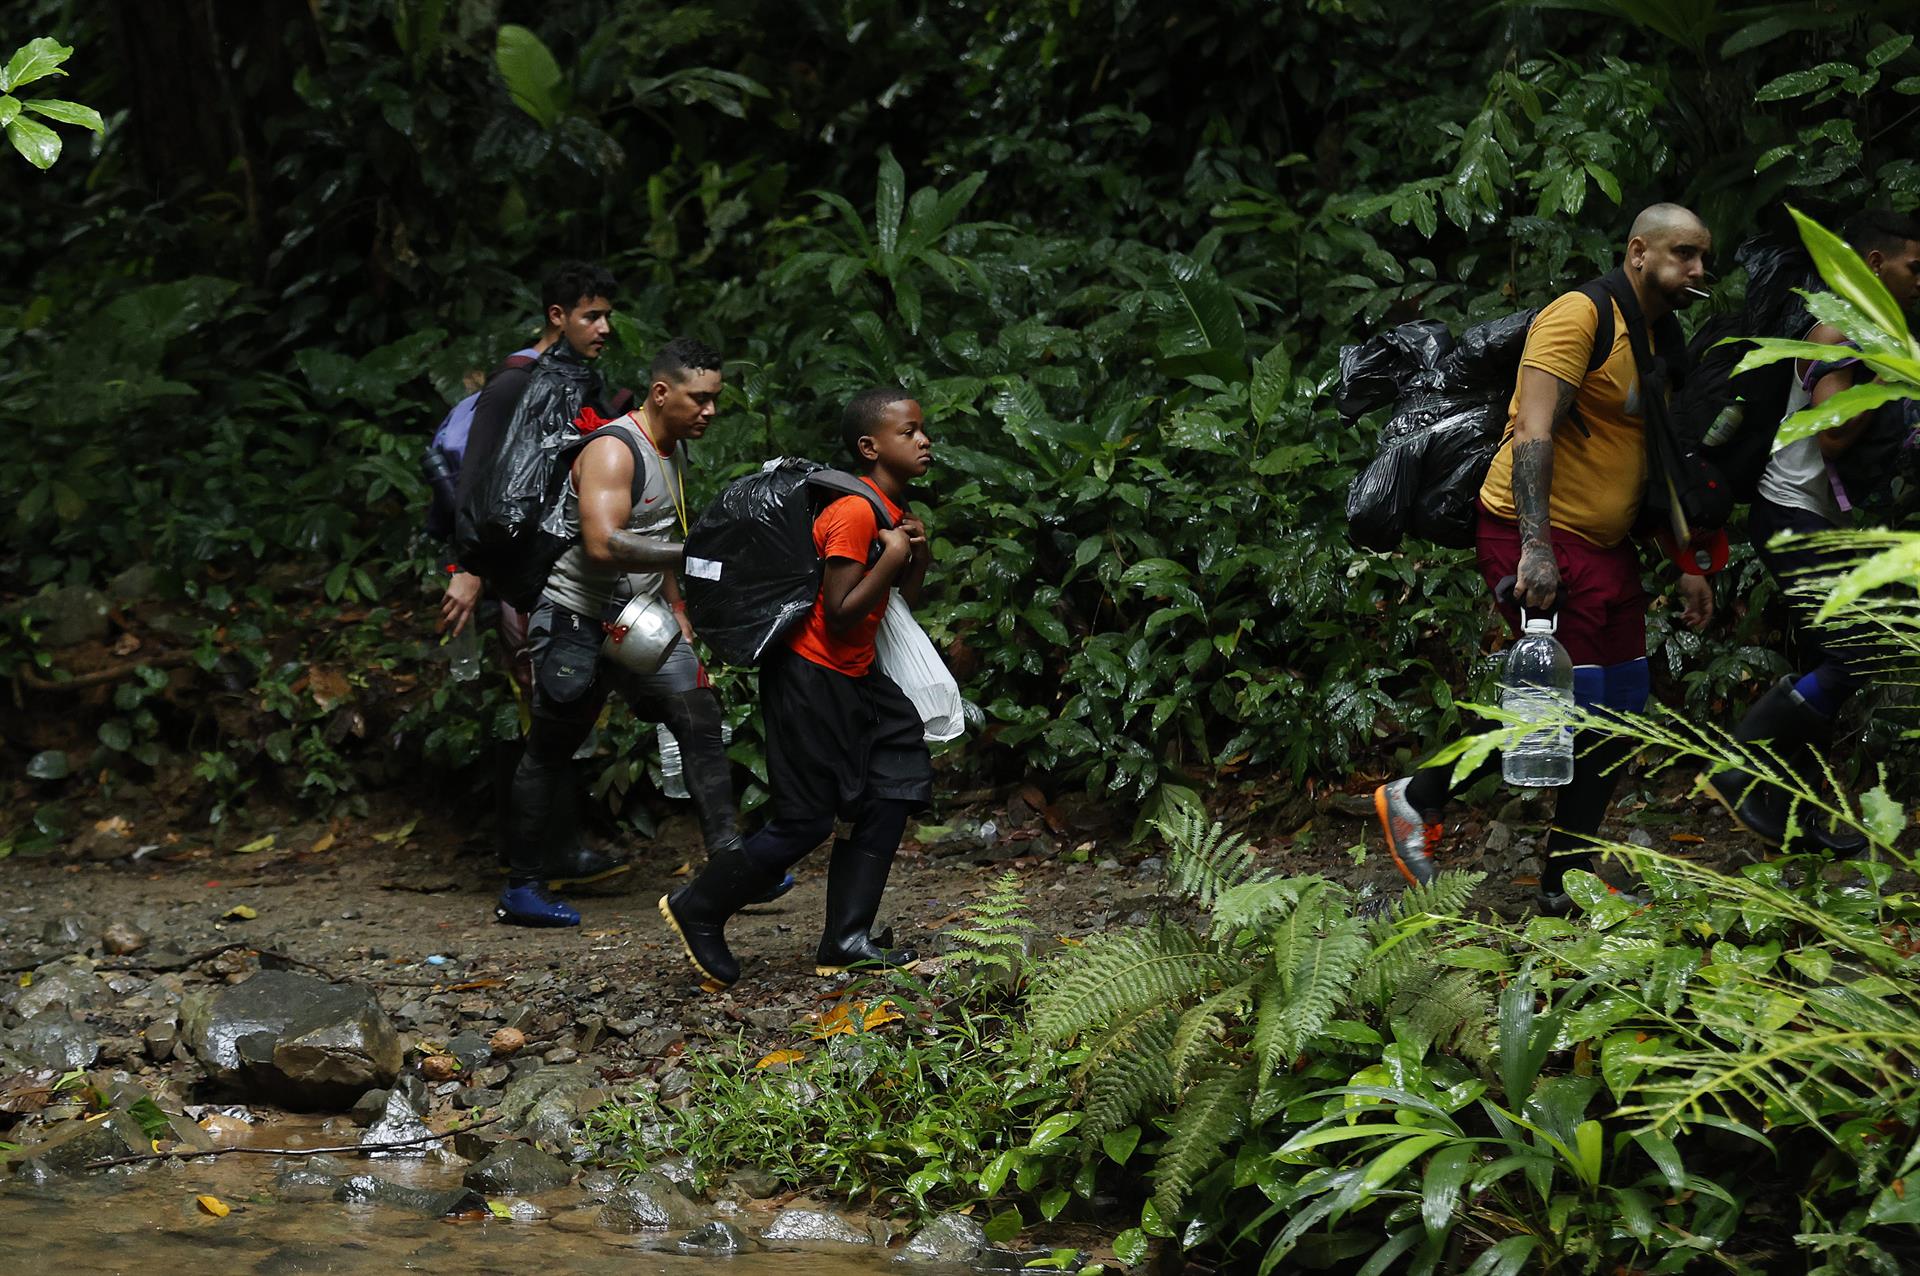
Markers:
point(1214, 1112)
point(1121, 973)
point(1318, 950)
point(995, 929)
point(1127, 1069)
point(1445, 896)
point(1204, 861)
point(1402, 950)
point(1203, 1025)
point(1256, 904)
point(1453, 1012)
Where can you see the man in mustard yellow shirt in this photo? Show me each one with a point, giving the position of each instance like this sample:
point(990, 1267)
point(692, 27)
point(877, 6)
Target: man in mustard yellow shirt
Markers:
point(1556, 512)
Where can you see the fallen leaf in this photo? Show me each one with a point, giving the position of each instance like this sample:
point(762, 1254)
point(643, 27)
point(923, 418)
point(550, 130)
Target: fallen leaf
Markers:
point(1071, 941)
point(683, 870)
point(214, 1206)
point(1690, 838)
point(240, 912)
point(322, 843)
point(884, 1013)
point(400, 834)
point(499, 1209)
point(329, 686)
point(780, 1057)
point(114, 826)
point(257, 844)
point(126, 645)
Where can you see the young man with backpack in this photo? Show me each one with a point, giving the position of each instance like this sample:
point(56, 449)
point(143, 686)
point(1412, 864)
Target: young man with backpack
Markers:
point(1557, 512)
point(842, 739)
point(1808, 486)
point(624, 514)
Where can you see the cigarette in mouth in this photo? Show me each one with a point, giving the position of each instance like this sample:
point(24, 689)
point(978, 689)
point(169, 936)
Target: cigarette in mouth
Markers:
point(1700, 293)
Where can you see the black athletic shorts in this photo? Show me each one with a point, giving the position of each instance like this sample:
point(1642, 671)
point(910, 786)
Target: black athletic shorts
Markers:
point(834, 742)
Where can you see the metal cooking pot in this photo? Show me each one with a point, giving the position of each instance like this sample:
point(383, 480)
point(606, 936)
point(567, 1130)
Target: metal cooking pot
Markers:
point(641, 635)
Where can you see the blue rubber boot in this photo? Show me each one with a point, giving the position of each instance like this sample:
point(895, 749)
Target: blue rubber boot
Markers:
point(531, 904)
point(778, 889)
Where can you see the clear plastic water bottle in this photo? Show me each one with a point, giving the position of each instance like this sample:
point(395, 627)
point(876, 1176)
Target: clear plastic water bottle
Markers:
point(463, 654)
point(1538, 683)
point(673, 781)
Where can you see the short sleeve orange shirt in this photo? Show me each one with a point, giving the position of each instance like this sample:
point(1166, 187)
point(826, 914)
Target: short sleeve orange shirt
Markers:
point(845, 529)
point(1598, 471)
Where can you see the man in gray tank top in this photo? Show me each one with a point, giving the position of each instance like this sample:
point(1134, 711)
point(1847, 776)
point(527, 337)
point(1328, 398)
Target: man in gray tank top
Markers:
point(625, 502)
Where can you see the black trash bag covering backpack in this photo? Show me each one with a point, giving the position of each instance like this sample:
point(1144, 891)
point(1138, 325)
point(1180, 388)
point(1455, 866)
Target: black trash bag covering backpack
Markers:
point(1731, 418)
point(1376, 372)
point(511, 530)
point(751, 573)
point(1449, 415)
point(1883, 457)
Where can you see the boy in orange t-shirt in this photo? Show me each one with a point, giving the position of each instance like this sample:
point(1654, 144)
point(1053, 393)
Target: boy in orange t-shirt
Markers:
point(842, 739)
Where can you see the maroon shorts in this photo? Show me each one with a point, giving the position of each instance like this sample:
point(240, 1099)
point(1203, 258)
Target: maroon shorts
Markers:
point(1603, 606)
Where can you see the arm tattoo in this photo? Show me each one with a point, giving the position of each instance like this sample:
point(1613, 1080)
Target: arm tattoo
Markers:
point(631, 551)
point(1533, 489)
point(1563, 397)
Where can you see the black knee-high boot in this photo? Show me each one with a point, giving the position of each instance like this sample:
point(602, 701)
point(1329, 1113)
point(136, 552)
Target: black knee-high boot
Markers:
point(1795, 729)
point(856, 879)
point(694, 719)
point(732, 878)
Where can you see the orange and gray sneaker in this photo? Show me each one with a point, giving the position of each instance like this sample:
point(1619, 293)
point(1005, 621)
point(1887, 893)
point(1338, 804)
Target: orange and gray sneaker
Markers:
point(1412, 838)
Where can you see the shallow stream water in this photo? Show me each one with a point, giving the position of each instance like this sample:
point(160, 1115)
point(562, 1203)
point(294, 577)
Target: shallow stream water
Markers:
point(146, 1219)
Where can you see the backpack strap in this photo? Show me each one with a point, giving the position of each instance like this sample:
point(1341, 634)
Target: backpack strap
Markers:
point(1595, 290)
point(623, 430)
point(840, 483)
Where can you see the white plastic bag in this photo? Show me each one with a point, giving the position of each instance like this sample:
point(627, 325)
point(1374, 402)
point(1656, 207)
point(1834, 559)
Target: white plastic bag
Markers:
point(905, 655)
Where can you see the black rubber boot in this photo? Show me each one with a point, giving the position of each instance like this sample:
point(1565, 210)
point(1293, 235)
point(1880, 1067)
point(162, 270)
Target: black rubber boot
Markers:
point(856, 878)
point(698, 912)
point(1793, 728)
point(693, 717)
point(570, 861)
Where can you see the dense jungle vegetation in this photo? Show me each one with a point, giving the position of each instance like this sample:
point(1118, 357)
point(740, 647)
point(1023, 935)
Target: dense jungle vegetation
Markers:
point(1113, 245)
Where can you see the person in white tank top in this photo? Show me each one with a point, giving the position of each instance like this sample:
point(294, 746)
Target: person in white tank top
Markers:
point(1798, 494)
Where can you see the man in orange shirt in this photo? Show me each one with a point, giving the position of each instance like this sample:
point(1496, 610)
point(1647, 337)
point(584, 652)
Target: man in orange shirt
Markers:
point(1557, 509)
point(842, 739)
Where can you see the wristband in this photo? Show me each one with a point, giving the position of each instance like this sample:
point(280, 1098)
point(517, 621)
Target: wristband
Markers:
point(681, 607)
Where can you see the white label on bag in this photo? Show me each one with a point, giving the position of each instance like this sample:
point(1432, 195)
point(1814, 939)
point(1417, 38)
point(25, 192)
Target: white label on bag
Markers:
point(704, 568)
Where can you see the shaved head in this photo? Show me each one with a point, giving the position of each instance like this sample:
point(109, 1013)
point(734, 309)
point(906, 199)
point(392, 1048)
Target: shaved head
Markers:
point(1658, 223)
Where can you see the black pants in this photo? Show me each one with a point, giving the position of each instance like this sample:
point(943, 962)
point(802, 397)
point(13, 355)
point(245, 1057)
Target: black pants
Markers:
point(570, 687)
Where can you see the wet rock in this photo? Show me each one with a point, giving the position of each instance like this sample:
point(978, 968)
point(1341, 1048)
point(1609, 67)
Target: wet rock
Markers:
point(562, 1055)
point(676, 1082)
point(294, 1039)
point(648, 1203)
point(493, 1076)
point(162, 1037)
point(1499, 838)
point(68, 930)
point(439, 1067)
point(471, 1049)
point(71, 1146)
point(813, 1225)
point(303, 1183)
point(518, 1169)
point(599, 1184)
point(525, 1212)
point(478, 1145)
point(371, 1189)
point(477, 1097)
point(70, 615)
point(66, 985)
point(951, 1238)
point(369, 1107)
point(755, 1184)
point(399, 1123)
point(123, 938)
point(715, 1238)
point(542, 1105)
point(52, 1039)
point(678, 1171)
